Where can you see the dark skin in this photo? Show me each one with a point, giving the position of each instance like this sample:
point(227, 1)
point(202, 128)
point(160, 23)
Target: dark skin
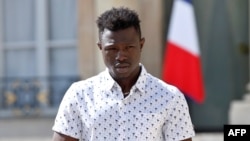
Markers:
point(61, 137)
point(121, 51)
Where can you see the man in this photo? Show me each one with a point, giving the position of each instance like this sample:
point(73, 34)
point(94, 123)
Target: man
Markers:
point(124, 102)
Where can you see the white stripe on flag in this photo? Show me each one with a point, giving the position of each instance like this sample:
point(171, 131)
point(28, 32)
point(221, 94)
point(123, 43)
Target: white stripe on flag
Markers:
point(183, 28)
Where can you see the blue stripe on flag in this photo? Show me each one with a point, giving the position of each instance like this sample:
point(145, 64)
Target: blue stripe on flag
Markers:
point(189, 1)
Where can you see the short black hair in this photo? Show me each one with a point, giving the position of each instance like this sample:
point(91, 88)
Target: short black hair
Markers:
point(118, 18)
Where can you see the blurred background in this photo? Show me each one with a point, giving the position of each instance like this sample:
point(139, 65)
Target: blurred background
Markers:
point(45, 45)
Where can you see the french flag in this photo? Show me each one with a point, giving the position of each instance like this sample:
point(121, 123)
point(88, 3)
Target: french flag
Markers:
point(182, 63)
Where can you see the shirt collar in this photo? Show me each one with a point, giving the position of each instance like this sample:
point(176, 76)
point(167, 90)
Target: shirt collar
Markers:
point(110, 82)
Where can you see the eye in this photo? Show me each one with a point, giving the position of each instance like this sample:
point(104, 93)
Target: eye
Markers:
point(110, 48)
point(130, 46)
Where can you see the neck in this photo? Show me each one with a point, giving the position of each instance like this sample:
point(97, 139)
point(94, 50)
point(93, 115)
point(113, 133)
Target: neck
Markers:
point(127, 83)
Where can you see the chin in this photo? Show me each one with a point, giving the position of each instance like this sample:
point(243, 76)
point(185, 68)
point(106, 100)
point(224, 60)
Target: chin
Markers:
point(121, 76)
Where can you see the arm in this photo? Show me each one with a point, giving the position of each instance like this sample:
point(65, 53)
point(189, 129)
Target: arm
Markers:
point(61, 137)
point(189, 139)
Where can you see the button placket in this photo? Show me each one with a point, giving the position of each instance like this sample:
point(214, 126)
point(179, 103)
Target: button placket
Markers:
point(120, 121)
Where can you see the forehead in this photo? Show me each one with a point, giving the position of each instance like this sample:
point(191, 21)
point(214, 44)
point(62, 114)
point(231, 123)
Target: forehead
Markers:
point(123, 35)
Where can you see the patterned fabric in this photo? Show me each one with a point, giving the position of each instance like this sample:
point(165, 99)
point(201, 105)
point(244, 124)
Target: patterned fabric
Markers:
point(96, 110)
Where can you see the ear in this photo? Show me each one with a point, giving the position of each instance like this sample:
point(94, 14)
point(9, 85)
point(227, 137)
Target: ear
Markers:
point(142, 41)
point(99, 45)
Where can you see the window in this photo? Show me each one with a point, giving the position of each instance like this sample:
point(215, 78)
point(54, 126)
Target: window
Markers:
point(39, 52)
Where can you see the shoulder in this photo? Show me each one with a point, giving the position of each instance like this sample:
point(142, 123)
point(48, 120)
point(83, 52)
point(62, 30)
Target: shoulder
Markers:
point(90, 86)
point(162, 84)
point(168, 91)
point(157, 83)
point(80, 90)
point(89, 82)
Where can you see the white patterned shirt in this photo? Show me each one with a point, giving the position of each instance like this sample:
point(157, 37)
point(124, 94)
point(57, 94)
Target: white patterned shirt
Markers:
point(96, 110)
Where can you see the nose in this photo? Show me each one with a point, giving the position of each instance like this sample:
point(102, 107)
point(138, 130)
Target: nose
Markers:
point(122, 55)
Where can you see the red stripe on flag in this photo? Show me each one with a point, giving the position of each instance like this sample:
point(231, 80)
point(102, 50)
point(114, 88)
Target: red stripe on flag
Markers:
point(183, 70)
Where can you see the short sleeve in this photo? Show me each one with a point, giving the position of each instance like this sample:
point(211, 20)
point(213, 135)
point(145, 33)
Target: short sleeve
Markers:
point(178, 125)
point(67, 120)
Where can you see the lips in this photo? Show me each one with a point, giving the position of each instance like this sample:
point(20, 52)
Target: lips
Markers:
point(122, 67)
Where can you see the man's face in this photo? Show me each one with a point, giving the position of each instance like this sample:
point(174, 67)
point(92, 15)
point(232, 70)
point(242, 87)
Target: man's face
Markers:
point(121, 52)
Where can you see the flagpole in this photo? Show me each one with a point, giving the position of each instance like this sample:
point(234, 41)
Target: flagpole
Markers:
point(239, 111)
point(247, 95)
point(248, 85)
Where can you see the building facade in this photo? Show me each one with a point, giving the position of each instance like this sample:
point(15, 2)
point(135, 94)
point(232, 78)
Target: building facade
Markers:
point(45, 45)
